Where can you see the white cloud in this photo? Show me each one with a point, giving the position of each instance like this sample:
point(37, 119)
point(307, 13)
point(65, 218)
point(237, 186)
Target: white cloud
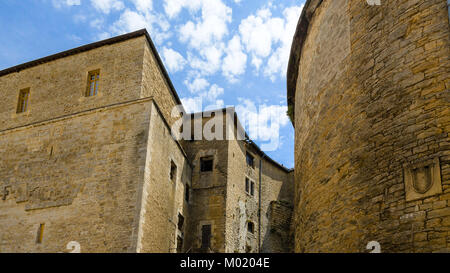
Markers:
point(143, 5)
point(263, 124)
point(214, 92)
point(106, 6)
point(211, 27)
point(267, 37)
point(199, 84)
point(131, 20)
point(61, 3)
point(235, 62)
point(174, 60)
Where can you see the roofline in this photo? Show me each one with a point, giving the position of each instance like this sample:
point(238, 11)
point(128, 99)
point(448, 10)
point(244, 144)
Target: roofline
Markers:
point(248, 140)
point(84, 48)
point(296, 51)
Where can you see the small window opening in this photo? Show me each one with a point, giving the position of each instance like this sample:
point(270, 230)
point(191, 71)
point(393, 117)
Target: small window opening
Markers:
point(206, 164)
point(93, 83)
point(247, 185)
point(252, 188)
point(173, 171)
point(22, 105)
point(251, 227)
point(40, 235)
point(187, 193)
point(250, 160)
point(206, 236)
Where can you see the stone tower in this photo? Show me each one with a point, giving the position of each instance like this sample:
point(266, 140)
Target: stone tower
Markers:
point(368, 94)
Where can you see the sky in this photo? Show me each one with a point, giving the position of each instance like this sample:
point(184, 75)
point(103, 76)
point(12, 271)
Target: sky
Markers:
point(218, 53)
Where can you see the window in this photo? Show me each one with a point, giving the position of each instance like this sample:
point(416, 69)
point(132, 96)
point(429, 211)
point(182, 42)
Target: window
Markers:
point(250, 160)
point(249, 187)
point(22, 104)
point(173, 171)
point(251, 227)
point(93, 80)
point(206, 236)
point(187, 193)
point(206, 164)
point(180, 221)
point(40, 235)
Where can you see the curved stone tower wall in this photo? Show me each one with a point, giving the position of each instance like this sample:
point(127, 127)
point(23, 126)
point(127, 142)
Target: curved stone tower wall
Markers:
point(372, 122)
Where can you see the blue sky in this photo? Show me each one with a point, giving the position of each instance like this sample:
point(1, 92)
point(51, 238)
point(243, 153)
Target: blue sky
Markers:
point(218, 52)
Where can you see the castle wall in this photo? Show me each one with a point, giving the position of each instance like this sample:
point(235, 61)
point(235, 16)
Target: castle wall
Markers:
point(57, 88)
point(155, 85)
point(163, 198)
point(372, 115)
point(79, 176)
point(209, 191)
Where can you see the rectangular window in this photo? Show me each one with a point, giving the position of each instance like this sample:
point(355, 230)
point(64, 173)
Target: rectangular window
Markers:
point(206, 236)
point(247, 185)
point(251, 227)
point(250, 160)
point(187, 193)
point(252, 188)
point(22, 104)
point(93, 81)
point(206, 164)
point(40, 235)
point(173, 171)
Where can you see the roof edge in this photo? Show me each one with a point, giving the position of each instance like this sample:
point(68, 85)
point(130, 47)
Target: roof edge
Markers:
point(248, 140)
point(84, 48)
point(296, 50)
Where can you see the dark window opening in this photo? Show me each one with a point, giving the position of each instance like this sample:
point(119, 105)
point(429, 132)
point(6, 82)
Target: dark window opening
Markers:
point(187, 193)
point(180, 221)
point(251, 227)
point(40, 234)
point(247, 185)
point(206, 164)
point(250, 160)
point(22, 104)
point(173, 171)
point(252, 188)
point(206, 236)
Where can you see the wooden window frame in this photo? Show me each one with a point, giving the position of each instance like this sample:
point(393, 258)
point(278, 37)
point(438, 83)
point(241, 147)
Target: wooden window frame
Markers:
point(23, 101)
point(96, 81)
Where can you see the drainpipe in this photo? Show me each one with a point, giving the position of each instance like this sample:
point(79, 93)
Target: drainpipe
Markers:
point(259, 202)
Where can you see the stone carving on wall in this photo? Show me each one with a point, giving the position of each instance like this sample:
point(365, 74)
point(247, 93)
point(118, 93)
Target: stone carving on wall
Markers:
point(422, 180)
point(40, 193)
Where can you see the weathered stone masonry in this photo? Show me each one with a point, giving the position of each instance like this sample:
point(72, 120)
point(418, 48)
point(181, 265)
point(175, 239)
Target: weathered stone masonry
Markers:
point(368, 90)
point(105, 171)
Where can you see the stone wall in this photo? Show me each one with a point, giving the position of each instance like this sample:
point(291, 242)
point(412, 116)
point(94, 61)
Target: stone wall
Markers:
point(79, 176)
point(230, 208)
point(371, 116)
point(163, 198)
point(57, 88)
